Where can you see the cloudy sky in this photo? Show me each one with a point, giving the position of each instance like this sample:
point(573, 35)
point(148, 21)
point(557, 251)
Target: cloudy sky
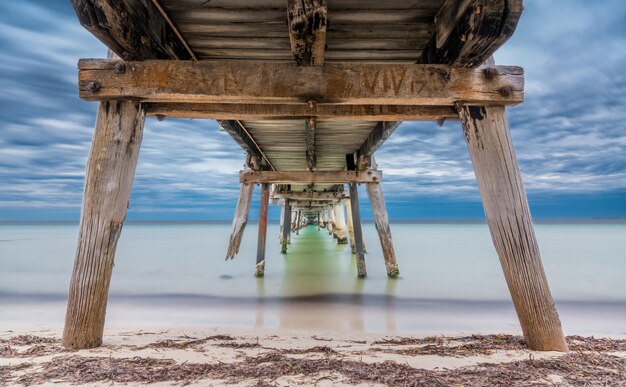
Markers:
point(570, 134)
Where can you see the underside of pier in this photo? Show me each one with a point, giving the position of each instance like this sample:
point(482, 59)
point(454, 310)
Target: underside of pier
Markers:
point(309, 89)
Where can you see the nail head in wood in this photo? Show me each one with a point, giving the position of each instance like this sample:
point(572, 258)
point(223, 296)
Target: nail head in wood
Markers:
point(120, 68)
point(92, 86)
point(490, 72)
point(506, 91)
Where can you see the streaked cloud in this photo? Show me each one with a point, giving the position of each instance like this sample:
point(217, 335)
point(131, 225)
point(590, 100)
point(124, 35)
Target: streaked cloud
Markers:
point(570, 133)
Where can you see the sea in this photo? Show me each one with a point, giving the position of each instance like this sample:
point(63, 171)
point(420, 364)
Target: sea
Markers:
point(451, 282)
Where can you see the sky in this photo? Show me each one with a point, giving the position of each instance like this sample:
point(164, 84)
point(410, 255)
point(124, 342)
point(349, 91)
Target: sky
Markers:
point(569, 134)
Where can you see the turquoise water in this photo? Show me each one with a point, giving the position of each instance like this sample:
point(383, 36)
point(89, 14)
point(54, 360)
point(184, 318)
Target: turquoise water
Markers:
point(451, 279)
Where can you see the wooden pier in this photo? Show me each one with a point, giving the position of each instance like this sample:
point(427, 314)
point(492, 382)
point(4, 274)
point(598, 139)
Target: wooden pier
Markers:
point(309, 89)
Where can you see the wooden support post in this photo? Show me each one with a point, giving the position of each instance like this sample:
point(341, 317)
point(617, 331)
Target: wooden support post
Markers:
point(340, 231)
point(318, 221)
point(282, 222)
point(348, 206)
point(298, 215)
point(240, 220)
point(358, 233)
point(381, 220)
point(108, 181)
point(506, 208)
point(286, 226)
point(260, 248)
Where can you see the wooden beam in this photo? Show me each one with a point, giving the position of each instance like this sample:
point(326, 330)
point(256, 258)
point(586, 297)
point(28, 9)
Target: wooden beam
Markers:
point(377, 137)
point(315, 195)
point(468, 32)
point(286, 227)
point(219, 111)
point(108, 181)
point(269, 82)
point(506, 208)
point(308, 177)
point(240, 220)
point(307, 31)
point(134, 30)
point(311, 159)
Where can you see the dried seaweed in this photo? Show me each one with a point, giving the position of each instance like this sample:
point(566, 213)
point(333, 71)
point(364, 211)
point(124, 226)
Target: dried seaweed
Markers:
point(591, 366)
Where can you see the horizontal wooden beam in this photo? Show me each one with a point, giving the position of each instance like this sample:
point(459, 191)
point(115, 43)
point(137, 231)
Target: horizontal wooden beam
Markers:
point(134, 30)
point(268, 82)
point(221, 111)
point(309, 177)
point(319, 196)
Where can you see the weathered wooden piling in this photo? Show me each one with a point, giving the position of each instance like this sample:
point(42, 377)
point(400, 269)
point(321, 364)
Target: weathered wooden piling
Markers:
point(358, 233)
point(347, 205)
point(298, 221)
point(240, 220)
point(108, 181)
point(259, 270)
point(286, 226)
point(506, 207)
point(381, 220)
point(340, 231)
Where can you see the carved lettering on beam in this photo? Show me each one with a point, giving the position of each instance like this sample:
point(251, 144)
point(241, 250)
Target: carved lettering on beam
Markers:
point(276, 83)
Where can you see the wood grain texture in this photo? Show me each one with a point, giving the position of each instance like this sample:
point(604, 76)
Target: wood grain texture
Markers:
point(240, 220)
point(307, 21)
point(381, 220)
point(358, 232)
point(108, 181)
point(339, 83)
point(259, 270)
point(219, 111)
point(308, 177)
point(310, 128)
point(134, 30)
point(470, 31)
point(506, 208)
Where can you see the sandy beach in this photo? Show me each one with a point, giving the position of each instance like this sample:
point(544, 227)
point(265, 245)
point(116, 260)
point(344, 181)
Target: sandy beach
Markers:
point(165, 356)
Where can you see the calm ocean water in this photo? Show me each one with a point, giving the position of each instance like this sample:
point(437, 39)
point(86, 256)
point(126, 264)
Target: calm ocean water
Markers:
point(451, 281)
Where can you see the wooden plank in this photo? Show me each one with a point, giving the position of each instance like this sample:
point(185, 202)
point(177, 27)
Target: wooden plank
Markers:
point(468, 32)
point(259, 270)
point(314, 196)
point(506, 208)
point(381, 221)
point(310, 125)
point(134, 30)
point(377, 137)
point(307, 21)
point(256, 112)
point(338, 83)
point(240, 220)
point(309, 177)
point(108, 181)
